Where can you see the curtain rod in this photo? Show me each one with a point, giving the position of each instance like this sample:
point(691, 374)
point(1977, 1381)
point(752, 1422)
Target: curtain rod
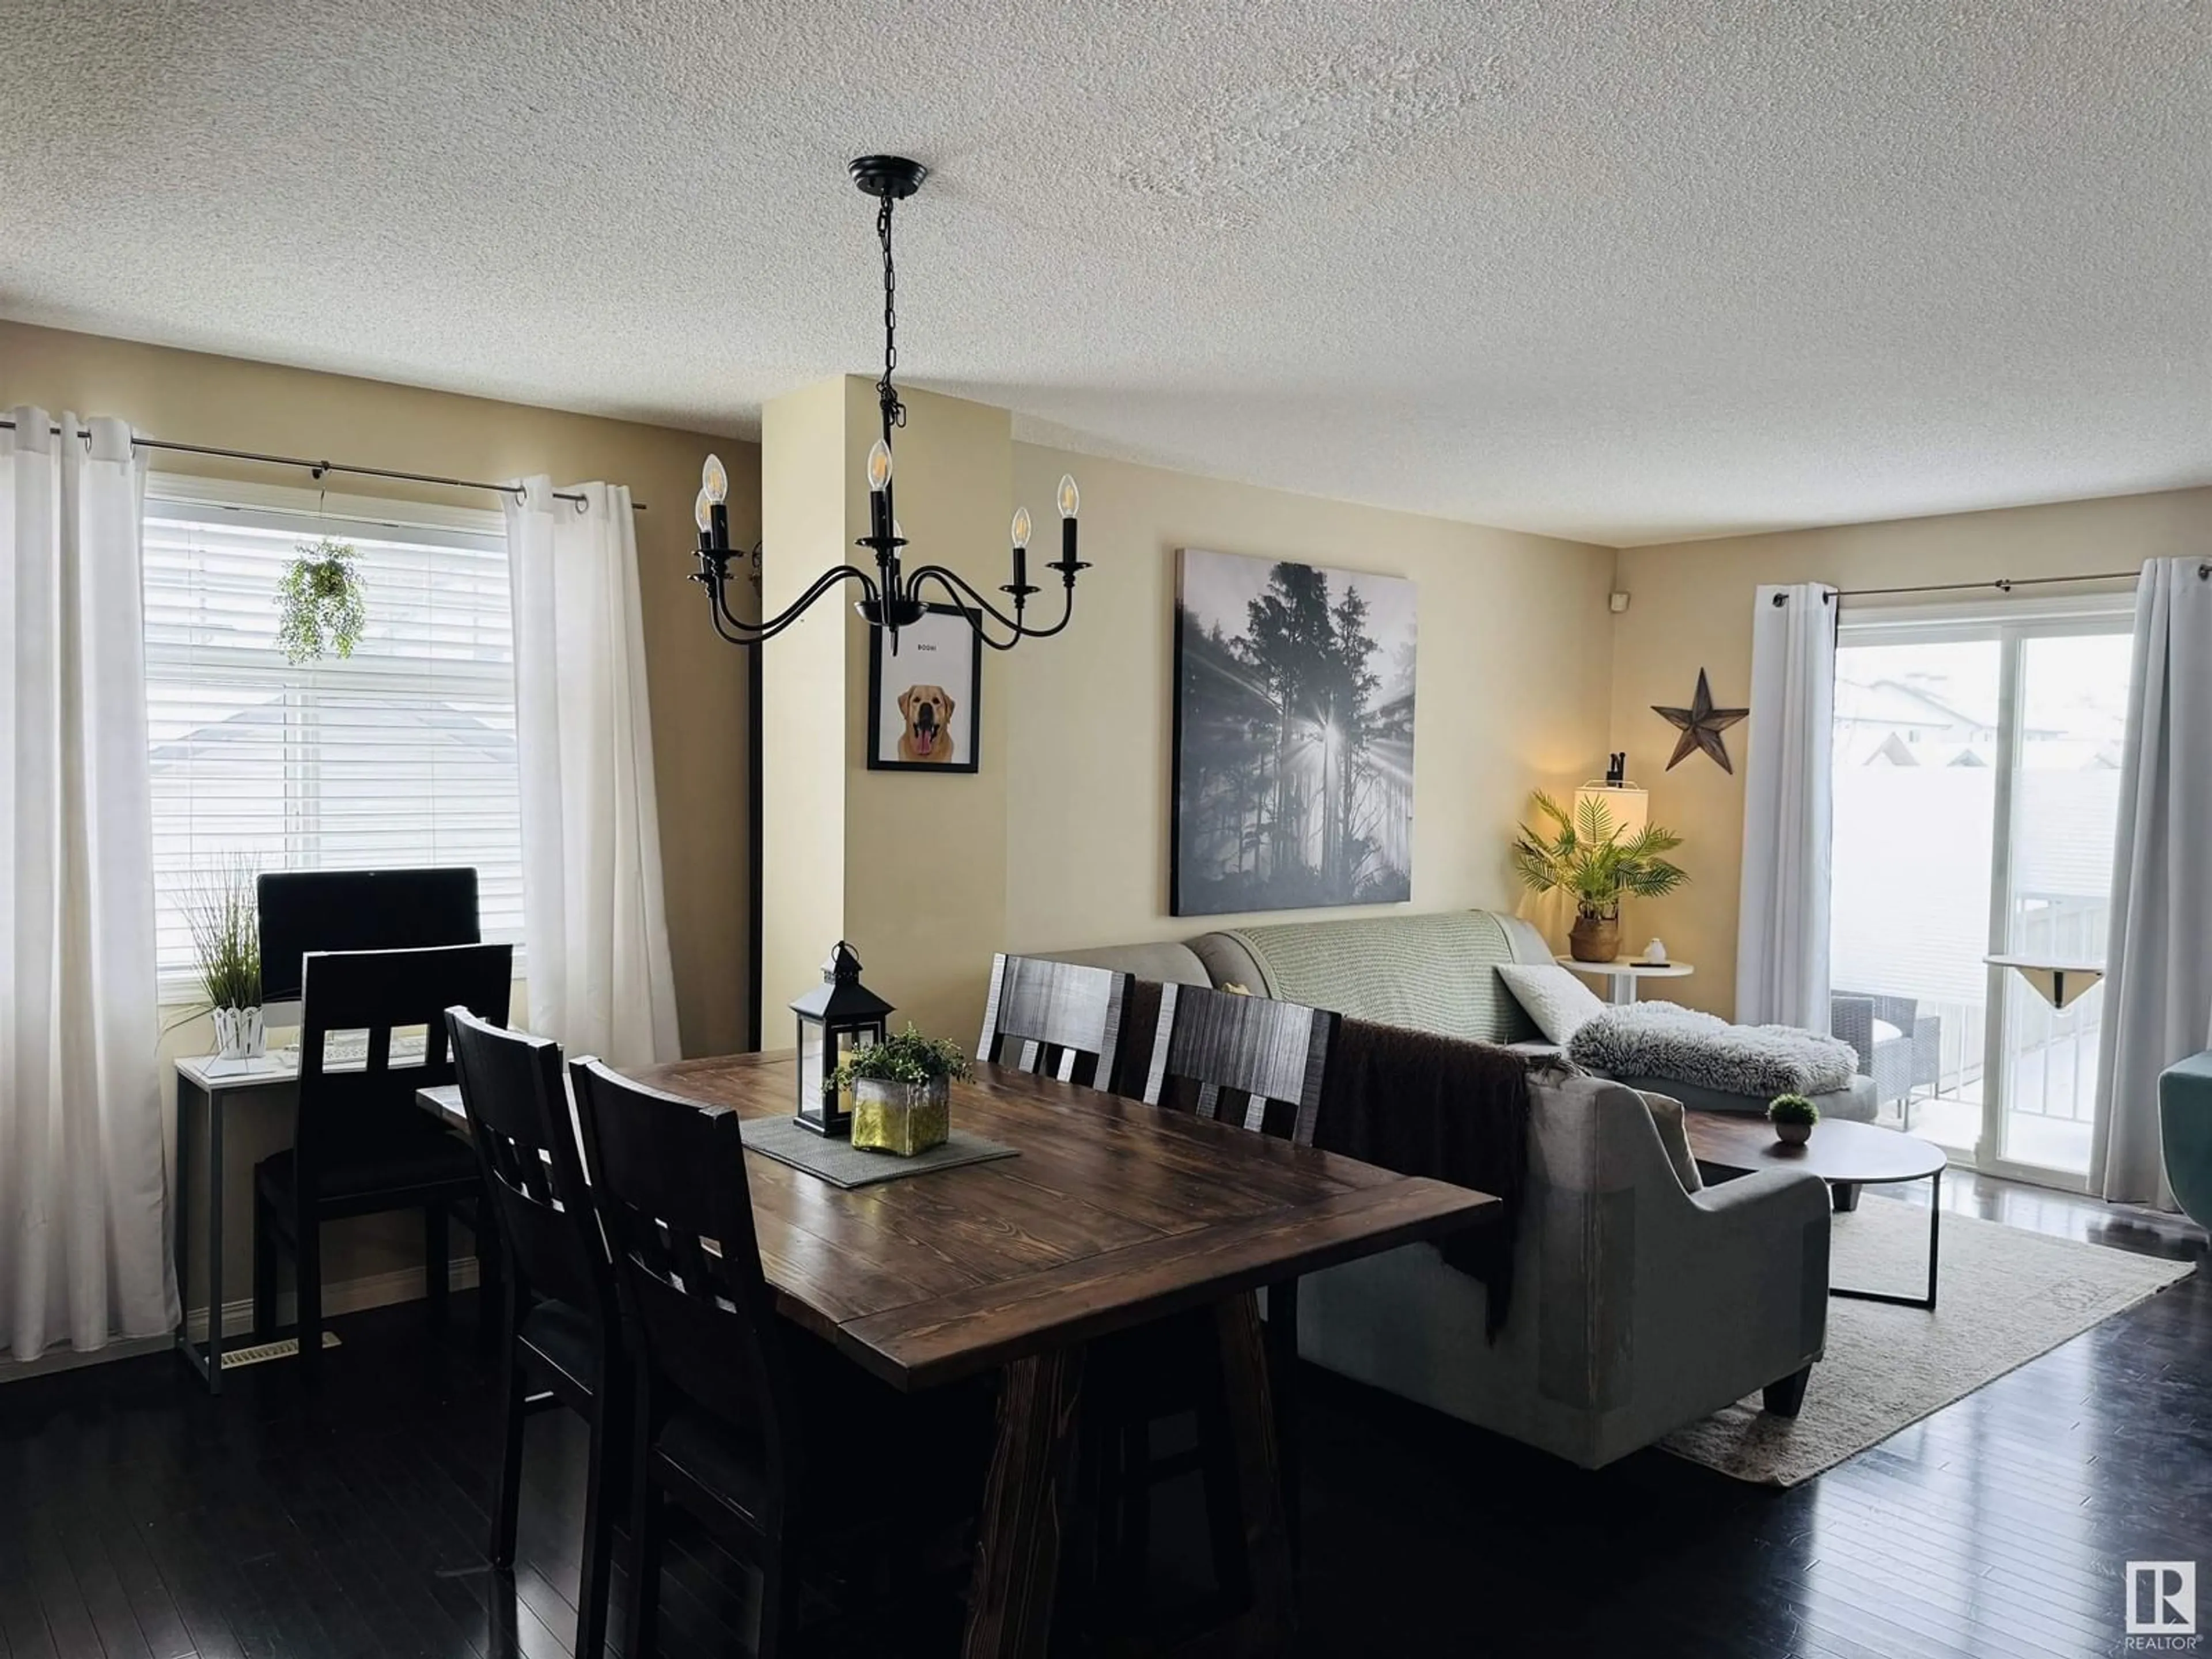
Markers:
point(318, 468)
point(2002, 584)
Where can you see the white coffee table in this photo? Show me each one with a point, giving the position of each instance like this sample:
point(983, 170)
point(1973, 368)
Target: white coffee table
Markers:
point(1624, 972)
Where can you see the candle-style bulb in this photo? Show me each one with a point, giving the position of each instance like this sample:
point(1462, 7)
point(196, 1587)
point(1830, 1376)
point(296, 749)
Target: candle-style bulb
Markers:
point(1021, 526)
point(1070, 497)
point(898, 531)
point(714, 484)
point(702, 513)
point(879, 466)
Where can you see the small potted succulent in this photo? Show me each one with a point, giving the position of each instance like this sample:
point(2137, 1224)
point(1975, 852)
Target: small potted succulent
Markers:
point(1793, 1117)
point(903, 1092)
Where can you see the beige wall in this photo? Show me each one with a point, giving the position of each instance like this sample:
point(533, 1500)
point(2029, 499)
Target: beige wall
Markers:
point(908, 867)
point(1511, 692)
point(695, 682)
point(1691, 607)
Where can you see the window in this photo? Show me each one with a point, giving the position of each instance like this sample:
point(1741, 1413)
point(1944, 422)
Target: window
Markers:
point(1988, 831)
point(401, 755)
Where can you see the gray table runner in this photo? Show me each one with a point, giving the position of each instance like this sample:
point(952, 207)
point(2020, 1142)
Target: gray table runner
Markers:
point(843, 1164)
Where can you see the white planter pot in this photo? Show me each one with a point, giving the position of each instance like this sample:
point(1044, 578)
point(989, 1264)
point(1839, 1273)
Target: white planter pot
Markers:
point(238, 1034)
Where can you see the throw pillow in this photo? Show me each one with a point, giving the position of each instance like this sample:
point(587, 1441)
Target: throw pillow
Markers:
point(1674, 1137)
point(1556, 1000)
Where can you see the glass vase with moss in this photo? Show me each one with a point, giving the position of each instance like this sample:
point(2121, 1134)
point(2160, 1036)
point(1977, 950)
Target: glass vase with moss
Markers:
point(903, 1092)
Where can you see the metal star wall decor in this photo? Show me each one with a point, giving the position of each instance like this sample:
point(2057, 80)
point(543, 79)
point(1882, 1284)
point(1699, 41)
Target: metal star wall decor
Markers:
point(1701, 725)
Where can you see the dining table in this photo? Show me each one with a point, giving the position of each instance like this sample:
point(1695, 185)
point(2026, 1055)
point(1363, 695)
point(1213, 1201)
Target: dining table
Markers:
point(1111, 1215)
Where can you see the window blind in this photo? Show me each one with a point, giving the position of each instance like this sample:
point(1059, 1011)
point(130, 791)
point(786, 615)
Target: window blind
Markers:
point(401, 755)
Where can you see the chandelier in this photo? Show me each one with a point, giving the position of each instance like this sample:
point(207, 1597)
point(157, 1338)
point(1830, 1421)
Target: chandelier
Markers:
point(892, 597)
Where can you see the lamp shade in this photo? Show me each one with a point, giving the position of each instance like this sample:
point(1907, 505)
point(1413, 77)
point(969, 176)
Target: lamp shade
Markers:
point(1626, 807)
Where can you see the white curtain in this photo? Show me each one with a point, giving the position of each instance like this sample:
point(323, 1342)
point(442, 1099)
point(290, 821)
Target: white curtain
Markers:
point(85, 1253)
point(2158, 961)
point(595, 926)
point(1782, 922)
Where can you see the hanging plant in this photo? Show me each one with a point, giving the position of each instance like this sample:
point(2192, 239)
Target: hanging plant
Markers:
point(319, 608)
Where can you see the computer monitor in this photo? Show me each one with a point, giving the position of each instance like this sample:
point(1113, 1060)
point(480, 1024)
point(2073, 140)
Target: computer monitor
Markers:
point(304, 910)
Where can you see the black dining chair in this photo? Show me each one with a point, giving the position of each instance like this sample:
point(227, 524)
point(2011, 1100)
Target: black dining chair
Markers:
point(1258, 1064)
point(560, 1331)
point(360, 1144)
point(1059, 1019)
point(796, 1459)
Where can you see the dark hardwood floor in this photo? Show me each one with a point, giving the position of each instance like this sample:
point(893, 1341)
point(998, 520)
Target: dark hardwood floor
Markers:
point(140, 1517)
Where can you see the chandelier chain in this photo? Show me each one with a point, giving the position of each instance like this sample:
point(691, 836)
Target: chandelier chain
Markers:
point(886, 393)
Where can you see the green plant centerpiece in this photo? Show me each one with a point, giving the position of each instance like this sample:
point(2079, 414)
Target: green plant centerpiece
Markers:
point(1585, 854)
point(1793, 1117)
point(903, 1091)
point(222, 914)
point(319, 607)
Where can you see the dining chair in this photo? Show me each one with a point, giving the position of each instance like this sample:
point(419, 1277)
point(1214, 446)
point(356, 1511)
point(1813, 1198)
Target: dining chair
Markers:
point(798, 1462)
point(560, 1330)
point(360, 1144)
point(1059, 1018)
point(1258, 1064)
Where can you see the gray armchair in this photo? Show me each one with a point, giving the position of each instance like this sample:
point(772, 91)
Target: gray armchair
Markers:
point(1899, 1065)
point(1638, 1306)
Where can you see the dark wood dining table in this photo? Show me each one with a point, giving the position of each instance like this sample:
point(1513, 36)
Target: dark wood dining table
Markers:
point(1114, 1214)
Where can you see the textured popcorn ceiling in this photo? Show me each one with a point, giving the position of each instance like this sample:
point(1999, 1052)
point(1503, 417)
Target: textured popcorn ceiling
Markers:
point(1620, 272)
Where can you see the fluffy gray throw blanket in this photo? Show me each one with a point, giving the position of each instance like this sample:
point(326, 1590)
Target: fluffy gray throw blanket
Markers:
point(1666, 1040)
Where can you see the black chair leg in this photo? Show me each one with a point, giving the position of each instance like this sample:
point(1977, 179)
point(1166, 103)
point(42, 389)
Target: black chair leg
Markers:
point(1282, 1345)
point(598, 1536)
point(490, 1271)
point(264, 1271)
point(774, 1605)
point(641, 1635)
point(308, 1256)
point(437, 1258)
point(512, 1413)
point(1224, 1503)
point(1133, 1486)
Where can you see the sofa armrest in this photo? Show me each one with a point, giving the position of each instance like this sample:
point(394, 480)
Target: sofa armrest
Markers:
point(1750, 1199)
point(1741, 1282)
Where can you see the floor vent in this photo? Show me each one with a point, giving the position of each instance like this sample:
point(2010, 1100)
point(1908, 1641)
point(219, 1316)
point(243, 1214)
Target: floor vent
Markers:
point(261, 1353)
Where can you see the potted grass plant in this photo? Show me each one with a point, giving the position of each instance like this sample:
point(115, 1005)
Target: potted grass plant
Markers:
point(1585, 854)
point(903, 1092)
point(221, 913)
point(1793, 1117)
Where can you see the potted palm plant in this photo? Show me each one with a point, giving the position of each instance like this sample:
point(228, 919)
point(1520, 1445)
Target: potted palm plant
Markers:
point(1585, 854)
point(225, 924)
point(903, 1091)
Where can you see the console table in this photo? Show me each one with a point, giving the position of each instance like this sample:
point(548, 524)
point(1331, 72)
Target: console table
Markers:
point(213, 1085)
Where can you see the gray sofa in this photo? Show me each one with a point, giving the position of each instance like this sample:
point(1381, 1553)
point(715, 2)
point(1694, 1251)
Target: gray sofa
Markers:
point(1639, 1306)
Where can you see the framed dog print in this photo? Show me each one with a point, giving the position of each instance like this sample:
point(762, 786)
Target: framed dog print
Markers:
point(923, 701)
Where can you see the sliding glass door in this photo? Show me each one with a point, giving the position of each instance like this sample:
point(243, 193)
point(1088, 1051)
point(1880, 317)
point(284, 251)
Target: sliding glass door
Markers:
point(1976, 788)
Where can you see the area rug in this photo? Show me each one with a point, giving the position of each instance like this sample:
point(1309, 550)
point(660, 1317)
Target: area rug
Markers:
point(2005, 1296)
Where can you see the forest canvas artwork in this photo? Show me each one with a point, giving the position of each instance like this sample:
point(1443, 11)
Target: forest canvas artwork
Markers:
point(1294, 736)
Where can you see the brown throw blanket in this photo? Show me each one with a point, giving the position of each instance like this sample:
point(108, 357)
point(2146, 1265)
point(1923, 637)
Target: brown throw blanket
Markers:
point(1438, 1106)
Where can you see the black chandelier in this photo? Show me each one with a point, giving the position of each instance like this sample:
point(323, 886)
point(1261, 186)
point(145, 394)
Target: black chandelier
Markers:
point(892, 597)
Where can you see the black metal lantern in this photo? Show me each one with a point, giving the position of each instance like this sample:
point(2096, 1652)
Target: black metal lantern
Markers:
point(836, 1021)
